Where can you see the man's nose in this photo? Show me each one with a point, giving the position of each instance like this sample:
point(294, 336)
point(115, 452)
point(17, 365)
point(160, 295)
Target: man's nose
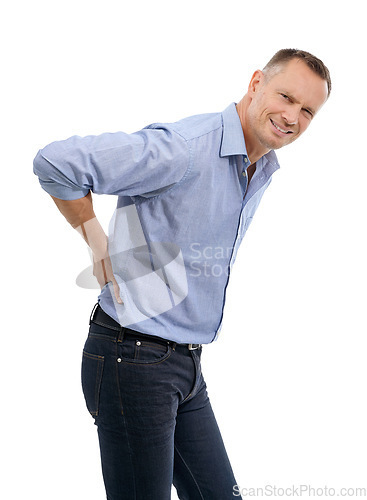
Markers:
point(291, 115)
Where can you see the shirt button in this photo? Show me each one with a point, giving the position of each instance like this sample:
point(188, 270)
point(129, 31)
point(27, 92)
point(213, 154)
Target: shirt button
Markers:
point(244, 174)
point(245, 159)
point(138, 342)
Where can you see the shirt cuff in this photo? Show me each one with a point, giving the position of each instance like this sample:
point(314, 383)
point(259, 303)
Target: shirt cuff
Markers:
point(62, 192)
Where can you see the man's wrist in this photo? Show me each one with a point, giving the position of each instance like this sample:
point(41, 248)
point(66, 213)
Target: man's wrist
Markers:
point(95, 237)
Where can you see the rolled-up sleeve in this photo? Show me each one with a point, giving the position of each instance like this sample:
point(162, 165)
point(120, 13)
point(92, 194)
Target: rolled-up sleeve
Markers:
point(117, 163)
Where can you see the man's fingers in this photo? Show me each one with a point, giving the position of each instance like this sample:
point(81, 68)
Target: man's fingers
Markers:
point(116, 289)
point(102, 270)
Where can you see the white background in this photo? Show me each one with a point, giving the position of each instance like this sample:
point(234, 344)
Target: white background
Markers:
point(287, 377)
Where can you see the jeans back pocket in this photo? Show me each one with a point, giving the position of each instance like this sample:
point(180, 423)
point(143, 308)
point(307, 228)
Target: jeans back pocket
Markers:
point(92, 370)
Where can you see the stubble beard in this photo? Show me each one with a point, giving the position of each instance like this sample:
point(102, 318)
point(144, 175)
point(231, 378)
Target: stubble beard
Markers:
point(267, 141)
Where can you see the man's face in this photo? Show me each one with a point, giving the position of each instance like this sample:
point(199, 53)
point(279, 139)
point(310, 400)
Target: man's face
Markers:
point(283, 105)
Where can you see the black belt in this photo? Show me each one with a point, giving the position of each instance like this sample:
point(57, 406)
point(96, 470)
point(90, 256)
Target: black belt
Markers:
point(101, 318)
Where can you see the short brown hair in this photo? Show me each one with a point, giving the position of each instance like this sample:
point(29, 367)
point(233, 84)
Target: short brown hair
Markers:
point(285, 55)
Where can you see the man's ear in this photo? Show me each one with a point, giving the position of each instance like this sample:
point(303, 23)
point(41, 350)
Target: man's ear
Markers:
point(256, 80)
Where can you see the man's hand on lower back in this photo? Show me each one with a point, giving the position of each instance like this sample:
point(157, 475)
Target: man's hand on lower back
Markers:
point(80, 214)
point(102, 270)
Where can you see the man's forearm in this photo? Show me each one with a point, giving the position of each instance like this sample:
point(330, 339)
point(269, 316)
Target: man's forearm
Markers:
point(76, 211)
point(80, 214)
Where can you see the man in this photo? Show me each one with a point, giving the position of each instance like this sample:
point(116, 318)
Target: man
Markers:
point(187, 194)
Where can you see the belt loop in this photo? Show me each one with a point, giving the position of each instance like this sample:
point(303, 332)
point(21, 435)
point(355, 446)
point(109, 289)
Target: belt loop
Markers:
point(120, 335)
point(92, 313)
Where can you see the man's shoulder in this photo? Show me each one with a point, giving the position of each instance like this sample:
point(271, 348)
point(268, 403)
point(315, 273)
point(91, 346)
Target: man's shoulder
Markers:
point(193, 126)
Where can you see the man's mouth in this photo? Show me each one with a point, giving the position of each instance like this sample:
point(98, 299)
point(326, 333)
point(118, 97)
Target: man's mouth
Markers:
point(280, 129)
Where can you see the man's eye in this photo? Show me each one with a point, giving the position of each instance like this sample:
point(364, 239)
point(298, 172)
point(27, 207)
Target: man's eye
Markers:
point(285, 96)
point(308, 112)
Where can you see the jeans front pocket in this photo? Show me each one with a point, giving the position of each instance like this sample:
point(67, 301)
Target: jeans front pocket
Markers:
point(143, 352)
point(92, 369)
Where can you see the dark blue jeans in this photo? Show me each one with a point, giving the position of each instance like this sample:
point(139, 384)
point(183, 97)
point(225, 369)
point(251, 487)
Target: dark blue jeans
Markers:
point(155, 423)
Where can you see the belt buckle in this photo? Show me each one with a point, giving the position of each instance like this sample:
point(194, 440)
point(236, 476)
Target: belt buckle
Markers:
point(193, 347)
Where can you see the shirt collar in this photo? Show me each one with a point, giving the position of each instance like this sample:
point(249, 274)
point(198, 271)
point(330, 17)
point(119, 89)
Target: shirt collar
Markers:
point(233, 141)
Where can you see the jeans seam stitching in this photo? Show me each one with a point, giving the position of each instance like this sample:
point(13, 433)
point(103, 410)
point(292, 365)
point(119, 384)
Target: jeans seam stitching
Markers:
point(119, 388)
point(196, 381)
point(92, 356)
point(125, 423)
point(161, 347)
point(189, 470)
point(144, 363)
point(97, 390)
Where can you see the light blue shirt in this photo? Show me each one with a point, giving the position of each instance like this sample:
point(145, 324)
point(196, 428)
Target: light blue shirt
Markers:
point(183, 208)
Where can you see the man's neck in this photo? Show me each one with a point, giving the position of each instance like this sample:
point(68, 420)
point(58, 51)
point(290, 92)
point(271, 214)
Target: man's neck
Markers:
point(250, 172)
point(254, 149)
